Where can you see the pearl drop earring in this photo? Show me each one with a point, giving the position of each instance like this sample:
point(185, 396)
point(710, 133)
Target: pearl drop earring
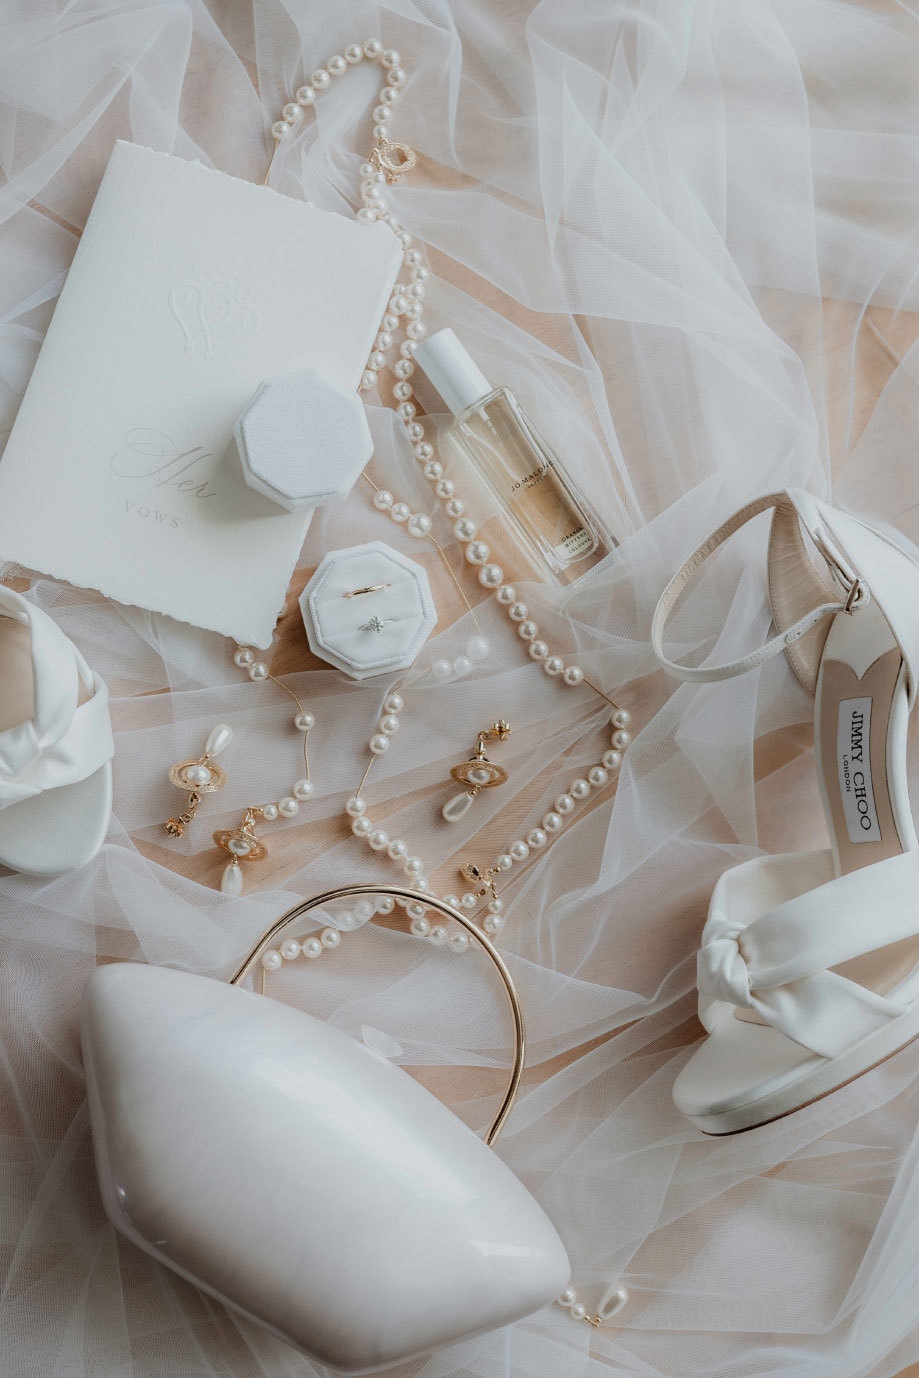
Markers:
point(199, 776)
point(477, 773)
point(241, 844)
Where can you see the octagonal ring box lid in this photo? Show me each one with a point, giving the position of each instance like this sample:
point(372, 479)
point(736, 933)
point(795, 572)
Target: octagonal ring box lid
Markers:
point(302, 440)
point(368, 633)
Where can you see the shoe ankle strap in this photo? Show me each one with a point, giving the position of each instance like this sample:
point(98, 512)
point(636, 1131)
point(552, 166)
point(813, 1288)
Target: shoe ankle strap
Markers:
point(791, 506)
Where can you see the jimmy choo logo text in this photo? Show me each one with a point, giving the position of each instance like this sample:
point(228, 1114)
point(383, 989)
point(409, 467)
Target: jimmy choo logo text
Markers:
point(854, 770)
point(856, 778)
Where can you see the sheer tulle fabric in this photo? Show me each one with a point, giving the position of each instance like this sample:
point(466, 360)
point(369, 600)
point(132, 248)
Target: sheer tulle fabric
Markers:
point(685, 235)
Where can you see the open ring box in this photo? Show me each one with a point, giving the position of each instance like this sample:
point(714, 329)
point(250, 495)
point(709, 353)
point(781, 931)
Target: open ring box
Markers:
point(368, 633)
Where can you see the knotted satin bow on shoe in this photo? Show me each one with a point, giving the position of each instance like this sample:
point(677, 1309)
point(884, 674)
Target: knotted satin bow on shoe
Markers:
point(55, 760)
point(64, 741)
point(779, 924)
point(721, 969)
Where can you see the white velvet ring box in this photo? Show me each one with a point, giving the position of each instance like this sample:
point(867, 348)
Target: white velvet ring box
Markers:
point(368, 610)
point(302, 441)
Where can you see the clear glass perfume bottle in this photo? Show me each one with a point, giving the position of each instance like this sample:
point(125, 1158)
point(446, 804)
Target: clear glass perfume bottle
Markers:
point(547, 514)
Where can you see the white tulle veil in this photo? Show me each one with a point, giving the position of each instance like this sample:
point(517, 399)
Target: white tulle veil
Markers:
point(686, 234)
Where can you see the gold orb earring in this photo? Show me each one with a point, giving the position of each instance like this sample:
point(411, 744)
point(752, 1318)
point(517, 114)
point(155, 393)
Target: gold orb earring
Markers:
point(242, 844)
point(477, 773)
point(199, 777)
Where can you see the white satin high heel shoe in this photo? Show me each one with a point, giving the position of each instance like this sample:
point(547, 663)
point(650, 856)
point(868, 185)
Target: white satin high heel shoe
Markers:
point(808, 971)
point(56, 745)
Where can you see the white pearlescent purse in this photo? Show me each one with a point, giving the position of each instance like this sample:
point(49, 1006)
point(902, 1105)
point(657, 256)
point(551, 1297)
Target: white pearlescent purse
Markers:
point(404, 1232)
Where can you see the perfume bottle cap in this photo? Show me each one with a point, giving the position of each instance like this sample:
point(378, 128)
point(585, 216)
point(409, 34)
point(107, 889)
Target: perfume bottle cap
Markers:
point(452, 371)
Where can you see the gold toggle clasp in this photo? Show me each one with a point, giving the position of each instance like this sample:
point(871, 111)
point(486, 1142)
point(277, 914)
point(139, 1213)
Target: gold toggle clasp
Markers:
point(393, 159)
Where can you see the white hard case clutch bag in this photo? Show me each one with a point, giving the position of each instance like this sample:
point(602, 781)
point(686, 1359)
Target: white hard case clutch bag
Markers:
point(301, 1177)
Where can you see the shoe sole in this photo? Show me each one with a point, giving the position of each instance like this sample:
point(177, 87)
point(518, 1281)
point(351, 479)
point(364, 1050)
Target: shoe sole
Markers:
point(700, 1122)
point(750, 1116)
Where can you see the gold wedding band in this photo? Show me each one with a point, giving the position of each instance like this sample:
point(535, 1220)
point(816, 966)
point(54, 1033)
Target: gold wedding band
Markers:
point(371, 588)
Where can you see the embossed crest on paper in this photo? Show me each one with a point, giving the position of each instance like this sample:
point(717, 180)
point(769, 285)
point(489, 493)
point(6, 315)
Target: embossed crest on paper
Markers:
point(212, 308)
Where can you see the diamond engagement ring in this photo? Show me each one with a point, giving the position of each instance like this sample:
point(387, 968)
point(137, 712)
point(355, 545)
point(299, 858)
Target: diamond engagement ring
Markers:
point(376, 624)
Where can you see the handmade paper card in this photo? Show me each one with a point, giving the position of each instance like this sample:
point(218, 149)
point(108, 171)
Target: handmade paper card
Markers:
point(189, 288)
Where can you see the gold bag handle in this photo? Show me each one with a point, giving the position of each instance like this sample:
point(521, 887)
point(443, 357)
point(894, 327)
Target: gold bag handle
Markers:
point(448, 912)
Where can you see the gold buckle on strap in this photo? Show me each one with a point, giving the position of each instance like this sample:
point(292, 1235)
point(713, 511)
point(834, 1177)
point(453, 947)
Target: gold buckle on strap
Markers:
point(858, 595)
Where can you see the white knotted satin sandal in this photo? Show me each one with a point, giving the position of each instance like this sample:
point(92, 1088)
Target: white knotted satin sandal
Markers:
point(56, 745)
point(809, 967)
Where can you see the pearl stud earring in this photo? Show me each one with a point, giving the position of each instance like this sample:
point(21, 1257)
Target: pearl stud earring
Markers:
point(477, 773)
point(198, 777)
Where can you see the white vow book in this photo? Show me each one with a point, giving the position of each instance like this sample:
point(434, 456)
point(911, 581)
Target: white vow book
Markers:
point(188, 289)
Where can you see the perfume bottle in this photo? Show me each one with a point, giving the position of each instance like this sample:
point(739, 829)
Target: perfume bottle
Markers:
point(547, 514)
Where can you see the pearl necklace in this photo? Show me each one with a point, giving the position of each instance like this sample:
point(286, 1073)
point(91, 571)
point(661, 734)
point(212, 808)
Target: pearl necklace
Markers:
point(406, 305)
point(386, 164)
